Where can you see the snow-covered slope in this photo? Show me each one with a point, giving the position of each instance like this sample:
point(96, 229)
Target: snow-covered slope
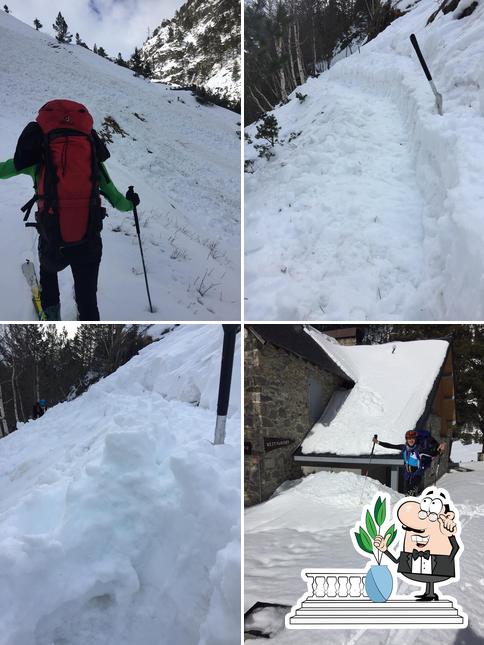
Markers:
point(309, 526)
point(372, 208)
point(119, 520)
point(392, 385)
point(462, 452)
point(199, 46)
point(182, 158)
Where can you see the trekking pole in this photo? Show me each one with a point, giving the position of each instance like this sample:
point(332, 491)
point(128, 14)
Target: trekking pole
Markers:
point(437, 467)
point(375, 436)
point(438, 97)
point(130, 196)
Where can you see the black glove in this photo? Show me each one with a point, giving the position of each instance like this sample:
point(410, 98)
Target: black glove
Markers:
point(132, 196)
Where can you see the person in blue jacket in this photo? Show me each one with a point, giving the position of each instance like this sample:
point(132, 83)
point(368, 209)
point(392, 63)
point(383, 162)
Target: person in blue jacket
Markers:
point(417, 453)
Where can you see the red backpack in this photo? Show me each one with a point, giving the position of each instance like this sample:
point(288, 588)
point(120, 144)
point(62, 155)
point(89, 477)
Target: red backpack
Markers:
point(68, 199)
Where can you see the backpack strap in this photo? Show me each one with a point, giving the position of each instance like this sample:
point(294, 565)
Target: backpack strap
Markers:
point(408, 466)
point(26, 208)
point(48, 225)
point(96, 212)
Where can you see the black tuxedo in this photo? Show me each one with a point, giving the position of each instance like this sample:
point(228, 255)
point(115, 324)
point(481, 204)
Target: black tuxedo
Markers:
point(442, 566)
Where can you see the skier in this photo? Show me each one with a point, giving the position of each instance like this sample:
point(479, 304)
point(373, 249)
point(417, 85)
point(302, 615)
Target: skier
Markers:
point(39, 409)
point(64, 157)
point(417, 453)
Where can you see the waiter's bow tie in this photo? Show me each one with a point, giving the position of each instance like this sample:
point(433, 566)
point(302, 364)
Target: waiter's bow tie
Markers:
point(420, 554)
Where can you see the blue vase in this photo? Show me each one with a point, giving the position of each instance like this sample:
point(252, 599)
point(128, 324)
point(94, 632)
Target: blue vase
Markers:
point(379, 583)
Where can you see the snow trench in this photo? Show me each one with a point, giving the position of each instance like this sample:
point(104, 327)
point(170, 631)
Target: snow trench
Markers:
point(372, 207)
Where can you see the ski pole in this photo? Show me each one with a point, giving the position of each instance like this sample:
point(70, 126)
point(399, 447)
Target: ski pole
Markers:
point(130, 196)
point(438, 97)
point(375, 436)
point(437, 468)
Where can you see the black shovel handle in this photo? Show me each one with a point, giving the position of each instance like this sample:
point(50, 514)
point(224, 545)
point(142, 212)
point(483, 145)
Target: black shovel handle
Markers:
point(130, 195)
point(414, 42)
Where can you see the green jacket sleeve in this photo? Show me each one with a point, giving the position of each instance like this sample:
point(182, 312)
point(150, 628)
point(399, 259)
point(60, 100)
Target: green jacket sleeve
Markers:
point(8, 170)
point(112, 194)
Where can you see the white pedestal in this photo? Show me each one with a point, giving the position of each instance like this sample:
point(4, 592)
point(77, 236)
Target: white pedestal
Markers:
point(320, 614)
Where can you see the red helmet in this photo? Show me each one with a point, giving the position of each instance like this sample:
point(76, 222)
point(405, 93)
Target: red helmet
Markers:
point(411, 434)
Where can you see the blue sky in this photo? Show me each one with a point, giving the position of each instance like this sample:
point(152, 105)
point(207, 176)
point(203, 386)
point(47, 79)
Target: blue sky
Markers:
point(117, 25)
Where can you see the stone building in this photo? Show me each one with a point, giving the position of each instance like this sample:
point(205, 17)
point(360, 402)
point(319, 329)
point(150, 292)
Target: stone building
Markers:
point(288, 383)
point(312, 404)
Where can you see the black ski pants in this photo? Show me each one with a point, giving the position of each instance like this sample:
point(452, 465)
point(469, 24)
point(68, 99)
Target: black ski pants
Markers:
point(84, 263)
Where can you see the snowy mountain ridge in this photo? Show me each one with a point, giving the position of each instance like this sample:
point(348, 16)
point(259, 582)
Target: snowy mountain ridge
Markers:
point(200, 47)
point(373, 202)
point(182, 158)
point(120, 521)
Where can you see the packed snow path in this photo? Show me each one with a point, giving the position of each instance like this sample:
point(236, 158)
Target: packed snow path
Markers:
point(182, 158)
point(350, 224)
point(372, 206)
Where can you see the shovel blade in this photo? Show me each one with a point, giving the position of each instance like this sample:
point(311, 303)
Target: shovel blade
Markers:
point(438, 98)
point(439, 103)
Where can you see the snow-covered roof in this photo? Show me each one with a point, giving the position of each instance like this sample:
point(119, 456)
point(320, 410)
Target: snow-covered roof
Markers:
point(393, 382)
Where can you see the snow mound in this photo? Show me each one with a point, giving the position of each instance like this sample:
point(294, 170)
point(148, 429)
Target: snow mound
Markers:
point(392, 385)
point(372, 207)
point(182, 158)
point(323, 501)
point(120, 521)
point(187, 368)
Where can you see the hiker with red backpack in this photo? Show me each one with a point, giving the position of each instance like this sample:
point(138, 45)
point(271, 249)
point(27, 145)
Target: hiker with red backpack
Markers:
point(417, 453)
point(65, 157)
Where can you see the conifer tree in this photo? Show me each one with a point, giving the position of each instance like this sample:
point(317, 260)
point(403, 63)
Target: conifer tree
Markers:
point(61, 29)
point(147, 70)
point(120, 61)
point(6, 9)
point(268, 129)
point(37, 24)
point(136, 62)
point(80, 42)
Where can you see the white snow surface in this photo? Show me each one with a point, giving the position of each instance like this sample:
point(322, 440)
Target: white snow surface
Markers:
point(308, 526)
point(183, 160)
point(375, 210)
point(119, 520)
point(392, 384)
point(465, 453)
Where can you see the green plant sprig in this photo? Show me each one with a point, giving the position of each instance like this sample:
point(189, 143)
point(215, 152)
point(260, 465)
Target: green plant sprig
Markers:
point(365, 539)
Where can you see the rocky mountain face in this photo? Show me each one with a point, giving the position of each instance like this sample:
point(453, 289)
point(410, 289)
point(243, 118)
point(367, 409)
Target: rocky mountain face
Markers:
point(200, 46)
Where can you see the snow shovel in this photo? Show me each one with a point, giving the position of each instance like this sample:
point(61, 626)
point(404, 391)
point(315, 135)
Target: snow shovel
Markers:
point(375, 436)
point(136, 221)
point(230, 335)
point(438, 96)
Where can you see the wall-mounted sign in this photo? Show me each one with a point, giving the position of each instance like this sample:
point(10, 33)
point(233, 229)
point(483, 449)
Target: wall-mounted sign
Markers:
point(272, 443)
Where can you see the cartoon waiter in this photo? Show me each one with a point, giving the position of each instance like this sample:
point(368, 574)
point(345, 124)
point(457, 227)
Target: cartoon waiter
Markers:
point(430, 544)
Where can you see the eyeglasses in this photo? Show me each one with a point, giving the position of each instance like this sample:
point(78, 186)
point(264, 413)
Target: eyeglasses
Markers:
point(430, 508)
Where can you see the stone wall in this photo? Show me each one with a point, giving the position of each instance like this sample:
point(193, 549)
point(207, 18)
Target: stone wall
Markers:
point(277, 405)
